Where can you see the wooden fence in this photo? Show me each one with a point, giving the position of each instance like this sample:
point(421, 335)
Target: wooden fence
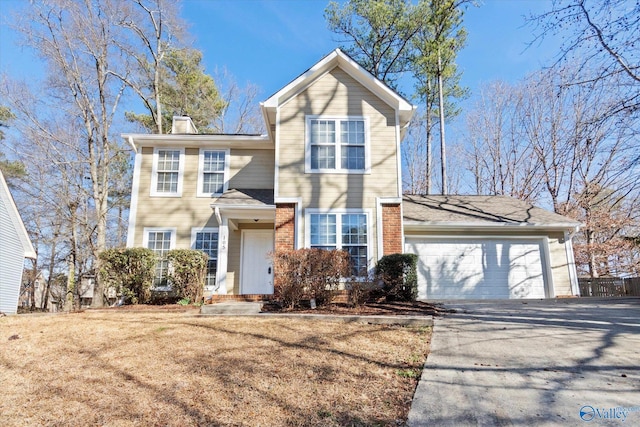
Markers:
point(609, 287)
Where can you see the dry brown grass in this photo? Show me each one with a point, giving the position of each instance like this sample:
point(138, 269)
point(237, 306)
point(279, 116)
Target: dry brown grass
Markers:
point(122, 368)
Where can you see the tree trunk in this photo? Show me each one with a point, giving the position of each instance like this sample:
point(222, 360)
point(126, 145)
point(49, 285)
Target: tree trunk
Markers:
point(442, 138)
point(50, 278)
point(428, 138)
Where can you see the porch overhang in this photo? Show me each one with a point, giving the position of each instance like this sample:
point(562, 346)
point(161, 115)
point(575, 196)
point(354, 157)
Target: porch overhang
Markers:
point(244, 205)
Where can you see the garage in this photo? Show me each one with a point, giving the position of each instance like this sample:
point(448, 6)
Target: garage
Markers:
point(480, 267)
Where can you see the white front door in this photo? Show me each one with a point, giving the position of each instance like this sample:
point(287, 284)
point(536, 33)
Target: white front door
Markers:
point(256, 275)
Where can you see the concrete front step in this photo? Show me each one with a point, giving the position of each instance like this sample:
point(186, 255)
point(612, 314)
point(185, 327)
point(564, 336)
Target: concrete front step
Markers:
point(232, 307)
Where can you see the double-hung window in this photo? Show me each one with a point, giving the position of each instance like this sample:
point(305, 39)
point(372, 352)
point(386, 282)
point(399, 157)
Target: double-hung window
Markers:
point(213, 171)
point(167, 171)
point(337, 145)
point(347, 231)
point(206, 240)
point(160, 241)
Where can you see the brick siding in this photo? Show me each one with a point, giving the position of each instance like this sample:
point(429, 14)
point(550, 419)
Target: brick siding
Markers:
point(391, 229)
point(285, 226)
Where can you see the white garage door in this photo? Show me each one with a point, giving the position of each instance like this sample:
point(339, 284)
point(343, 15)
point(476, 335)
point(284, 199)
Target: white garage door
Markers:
point(450, 268)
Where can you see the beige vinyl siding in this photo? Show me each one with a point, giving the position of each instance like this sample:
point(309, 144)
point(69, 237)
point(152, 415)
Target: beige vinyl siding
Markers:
point(559, 265)
point(251, 169)
point(182, 212)
point(248, 169)
point(337, 94)
point(558, 257)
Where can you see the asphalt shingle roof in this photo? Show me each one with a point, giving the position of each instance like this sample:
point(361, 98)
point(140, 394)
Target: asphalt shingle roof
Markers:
point(246, 197)
point(483, 210)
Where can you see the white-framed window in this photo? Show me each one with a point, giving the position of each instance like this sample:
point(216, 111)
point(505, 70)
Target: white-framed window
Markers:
point(206, 240)
point(167, 172)
point(160, 241)
point(337, 145)
point(347, 229)
point(213, 172)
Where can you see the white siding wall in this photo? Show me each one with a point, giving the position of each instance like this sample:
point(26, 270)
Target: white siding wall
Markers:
point(11, 262)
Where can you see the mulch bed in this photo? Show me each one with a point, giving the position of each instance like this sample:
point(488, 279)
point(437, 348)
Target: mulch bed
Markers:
point(393, 308)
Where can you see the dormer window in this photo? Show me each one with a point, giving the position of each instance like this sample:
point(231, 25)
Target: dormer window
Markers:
point(167, 171)
point(337, 145)
point(213, 172)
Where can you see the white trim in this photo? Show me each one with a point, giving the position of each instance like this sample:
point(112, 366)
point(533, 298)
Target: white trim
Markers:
point(133, 207)
point(338, 145)
point(398, 155)
point(154, 173)
point(338, 212)
point(549, 289)
point(463, 226)
point(16, 221)
point(571, 263)
point(200, 181)
point(276, 172)
point(212, 140)
point(379, 228)
point(223, 256)
point(338, 58)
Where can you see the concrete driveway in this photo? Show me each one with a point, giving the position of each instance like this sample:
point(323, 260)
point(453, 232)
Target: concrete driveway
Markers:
point(553, 362)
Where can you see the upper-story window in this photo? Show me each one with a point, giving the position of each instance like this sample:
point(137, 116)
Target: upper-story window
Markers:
point(167, 171)
point(213, 172)
point(337, 145)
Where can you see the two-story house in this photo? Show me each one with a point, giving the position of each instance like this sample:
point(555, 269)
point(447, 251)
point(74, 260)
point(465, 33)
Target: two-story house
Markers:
point(328, 174)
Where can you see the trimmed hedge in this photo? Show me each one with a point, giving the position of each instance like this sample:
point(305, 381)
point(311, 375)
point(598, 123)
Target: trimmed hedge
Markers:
point(187, 273)
point(399, 276)
point(130, 272)
point(308, 274)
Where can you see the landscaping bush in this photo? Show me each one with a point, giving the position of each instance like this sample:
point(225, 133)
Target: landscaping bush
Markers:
point(187, 273)
point(308, 274)
point(399, 276)
point(361, 291)
point(130, 272)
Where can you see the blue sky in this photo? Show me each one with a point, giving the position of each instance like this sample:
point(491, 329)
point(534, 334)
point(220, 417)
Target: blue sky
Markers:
point(270, 42)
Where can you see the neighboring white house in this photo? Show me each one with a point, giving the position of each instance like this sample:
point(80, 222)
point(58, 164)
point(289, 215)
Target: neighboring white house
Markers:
point(15, 246)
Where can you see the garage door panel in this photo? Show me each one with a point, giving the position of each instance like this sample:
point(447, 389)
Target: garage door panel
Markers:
point(478, 268)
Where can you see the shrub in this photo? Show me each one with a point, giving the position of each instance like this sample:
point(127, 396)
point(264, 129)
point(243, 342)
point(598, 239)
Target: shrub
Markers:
point(130, 272)
point(360, 292)
point(187, 273)
point(308, 274)
point(399, 276)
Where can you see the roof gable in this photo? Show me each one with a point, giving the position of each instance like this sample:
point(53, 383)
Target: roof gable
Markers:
point(337, 58)
point(15, 221)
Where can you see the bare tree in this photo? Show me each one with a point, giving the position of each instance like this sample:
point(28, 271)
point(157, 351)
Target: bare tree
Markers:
point(500, 159)
point(240, 114)
point(76, 39)
point(602, 38)
point(155, 28)
point(550, 141)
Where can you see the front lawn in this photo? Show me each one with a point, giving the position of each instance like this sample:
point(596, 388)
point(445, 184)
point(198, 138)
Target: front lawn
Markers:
point(125, 368)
